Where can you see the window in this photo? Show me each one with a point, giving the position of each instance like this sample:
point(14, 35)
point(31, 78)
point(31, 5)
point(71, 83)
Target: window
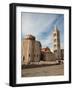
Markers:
point(54, 46)
point(23, 58)
point(54, 40)
point(55, 51)
point(54, 34)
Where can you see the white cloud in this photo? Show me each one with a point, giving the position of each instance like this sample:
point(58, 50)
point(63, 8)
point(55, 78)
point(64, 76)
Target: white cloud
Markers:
point(36, 24)
point(31, 26)
point(47, 41)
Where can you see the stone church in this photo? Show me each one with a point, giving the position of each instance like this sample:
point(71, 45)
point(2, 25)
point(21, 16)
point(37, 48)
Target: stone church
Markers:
point(32, 50)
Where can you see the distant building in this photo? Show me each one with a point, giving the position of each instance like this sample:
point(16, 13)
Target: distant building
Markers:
point(56, 43)
point(62, 54)
point(47, 55)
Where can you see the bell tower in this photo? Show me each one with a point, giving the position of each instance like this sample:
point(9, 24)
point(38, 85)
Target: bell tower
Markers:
point(56, 42)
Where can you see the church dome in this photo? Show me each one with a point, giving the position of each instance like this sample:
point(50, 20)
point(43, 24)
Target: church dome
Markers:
point(30, 37)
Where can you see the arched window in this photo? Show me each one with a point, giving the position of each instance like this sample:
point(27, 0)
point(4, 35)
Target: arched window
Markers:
point(23, 58)
point(54, 40)
point(54, 34)
point(55, 46)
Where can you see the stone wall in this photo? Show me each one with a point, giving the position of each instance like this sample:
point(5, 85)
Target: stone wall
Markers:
point(33, 52)
point(37, 51)
point(47, 55)
point(30, 50)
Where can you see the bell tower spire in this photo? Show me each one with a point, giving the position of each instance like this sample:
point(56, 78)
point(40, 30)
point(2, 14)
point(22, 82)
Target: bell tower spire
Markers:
point(56, 42)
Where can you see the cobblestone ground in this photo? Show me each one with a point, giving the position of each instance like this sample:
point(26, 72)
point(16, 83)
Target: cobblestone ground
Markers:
point(53, 70)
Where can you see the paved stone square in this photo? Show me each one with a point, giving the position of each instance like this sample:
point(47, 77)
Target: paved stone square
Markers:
point(52, 70)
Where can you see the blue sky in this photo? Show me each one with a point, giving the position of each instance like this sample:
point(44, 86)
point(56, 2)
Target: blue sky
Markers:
point(41, 25)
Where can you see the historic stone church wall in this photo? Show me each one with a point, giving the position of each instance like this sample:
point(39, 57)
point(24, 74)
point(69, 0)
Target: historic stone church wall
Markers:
point(37, 51)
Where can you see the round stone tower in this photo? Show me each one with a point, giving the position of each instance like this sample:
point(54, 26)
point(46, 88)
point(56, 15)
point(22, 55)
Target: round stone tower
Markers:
point(28, 49)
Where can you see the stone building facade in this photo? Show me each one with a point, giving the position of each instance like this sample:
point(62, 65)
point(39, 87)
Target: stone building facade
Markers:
point(62, 54)
point(47, 55)
point(30, 49)
point(37, 51)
